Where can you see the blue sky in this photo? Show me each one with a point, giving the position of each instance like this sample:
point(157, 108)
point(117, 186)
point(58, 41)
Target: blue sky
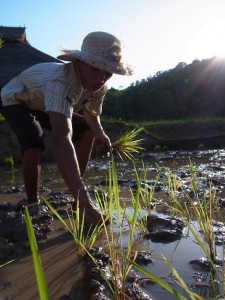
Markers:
point(158, 34)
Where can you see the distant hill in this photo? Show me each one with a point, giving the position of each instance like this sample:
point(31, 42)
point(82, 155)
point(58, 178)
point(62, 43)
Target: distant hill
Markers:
point(186, 91)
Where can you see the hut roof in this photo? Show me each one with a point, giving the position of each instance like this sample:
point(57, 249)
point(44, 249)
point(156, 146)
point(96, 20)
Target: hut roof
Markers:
point(16, 54)
point(13, 34)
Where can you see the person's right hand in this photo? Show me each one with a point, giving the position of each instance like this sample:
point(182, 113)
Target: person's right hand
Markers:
point(92, 215)
point(102, 144)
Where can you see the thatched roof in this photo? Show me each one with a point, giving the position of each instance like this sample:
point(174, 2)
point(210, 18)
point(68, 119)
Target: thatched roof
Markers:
point(12, 34)
point(16, 54)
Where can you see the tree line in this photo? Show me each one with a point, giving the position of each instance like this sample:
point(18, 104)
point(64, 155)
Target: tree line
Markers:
point(186, 91)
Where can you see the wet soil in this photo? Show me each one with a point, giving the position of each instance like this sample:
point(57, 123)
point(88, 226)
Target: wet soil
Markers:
point(68, 275)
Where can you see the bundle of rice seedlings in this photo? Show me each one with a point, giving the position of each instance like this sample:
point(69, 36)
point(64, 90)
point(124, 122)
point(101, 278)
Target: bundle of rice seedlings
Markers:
point(127, 144)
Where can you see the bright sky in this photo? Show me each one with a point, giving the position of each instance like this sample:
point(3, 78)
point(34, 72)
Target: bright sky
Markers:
point(158, 34)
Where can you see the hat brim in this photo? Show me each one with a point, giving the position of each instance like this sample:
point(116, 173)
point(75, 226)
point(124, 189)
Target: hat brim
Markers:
point(119, 68)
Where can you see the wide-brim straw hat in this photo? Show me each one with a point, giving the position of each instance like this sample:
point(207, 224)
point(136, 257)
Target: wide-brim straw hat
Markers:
point(101, 50)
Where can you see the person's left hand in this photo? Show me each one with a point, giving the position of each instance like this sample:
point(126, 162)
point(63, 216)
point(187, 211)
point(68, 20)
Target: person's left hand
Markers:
point(102, 144)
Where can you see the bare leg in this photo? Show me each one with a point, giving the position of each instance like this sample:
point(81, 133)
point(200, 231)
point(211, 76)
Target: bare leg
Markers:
point(31, 170)
point(83, 150)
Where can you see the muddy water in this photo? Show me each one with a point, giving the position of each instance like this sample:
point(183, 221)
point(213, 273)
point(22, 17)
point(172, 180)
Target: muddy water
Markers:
point(62, 278)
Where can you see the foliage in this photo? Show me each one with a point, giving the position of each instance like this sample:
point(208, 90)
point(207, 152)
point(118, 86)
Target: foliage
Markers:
point(193, 90)
point(85, 239)
point(9, 161)
point(40, 276)
point(127, 144)
point(162, 283)
point(198, 215)
point(133, 217)
point(8, 262)
point(120, 255)
point(2, 118)
point(202, 210)
point(1, 43)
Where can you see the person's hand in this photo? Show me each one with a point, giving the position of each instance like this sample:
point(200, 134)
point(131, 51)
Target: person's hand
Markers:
point(92, 215)
point(102, 144)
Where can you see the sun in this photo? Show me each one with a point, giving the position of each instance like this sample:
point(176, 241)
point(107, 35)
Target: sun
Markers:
point(216, 43)
point(221, 53)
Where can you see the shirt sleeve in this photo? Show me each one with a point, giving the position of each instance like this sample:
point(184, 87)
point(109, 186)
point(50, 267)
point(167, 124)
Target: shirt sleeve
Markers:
point(10, 91)
point(57, 99)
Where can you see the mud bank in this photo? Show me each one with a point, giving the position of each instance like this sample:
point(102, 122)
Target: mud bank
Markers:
point(190, 136)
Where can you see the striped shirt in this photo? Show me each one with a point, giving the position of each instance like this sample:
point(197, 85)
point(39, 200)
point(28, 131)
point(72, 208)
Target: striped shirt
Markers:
point(52, 87)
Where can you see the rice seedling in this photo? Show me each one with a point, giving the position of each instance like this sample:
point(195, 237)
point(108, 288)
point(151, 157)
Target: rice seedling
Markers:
point(1, 42)
point(119, 252)
point(85, 239)
point(157, 148)
point(9, 161)
point(141, 199)
point(181, 282)
point(127, 144)
point(5, 264)
point(147, 193)
point(165, 285)
point(40, 276)
point(112, 241)
point(146, 198)
point(202, 211)
point(1, 116)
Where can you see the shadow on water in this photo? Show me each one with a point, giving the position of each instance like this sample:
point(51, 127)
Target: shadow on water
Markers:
point(211, 171)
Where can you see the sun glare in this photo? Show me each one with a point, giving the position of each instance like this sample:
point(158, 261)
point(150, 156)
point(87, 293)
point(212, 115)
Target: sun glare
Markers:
point(209, 41)
point(221, 53)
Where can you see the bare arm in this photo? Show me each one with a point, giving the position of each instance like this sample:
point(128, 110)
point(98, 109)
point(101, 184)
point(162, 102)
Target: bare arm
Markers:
point(101, 139)
point(66, 159)
point(64, 152)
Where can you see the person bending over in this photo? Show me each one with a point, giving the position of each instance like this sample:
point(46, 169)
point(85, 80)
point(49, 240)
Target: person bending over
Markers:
point(50, 95)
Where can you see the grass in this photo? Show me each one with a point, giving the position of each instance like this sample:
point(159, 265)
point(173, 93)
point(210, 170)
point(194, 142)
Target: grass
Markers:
point(123, 260)
point(120, 267)
point(201, 210)
point(132, 216)
point(2, 118)
point(160, 282)
point(188, 120)
point(83, 237)
point(9, 161)
point(127, 144)
point(7, 263)
point(164, 139)
point(1, 42)
point(40, 276)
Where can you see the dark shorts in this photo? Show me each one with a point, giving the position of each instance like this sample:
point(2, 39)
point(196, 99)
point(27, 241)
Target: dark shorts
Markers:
point(27, 125)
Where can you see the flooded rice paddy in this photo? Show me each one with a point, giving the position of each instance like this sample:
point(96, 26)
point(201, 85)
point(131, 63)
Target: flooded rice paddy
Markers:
point(153, 169)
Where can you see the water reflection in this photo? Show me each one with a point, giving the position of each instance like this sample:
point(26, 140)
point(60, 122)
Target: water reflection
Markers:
point(210, 171)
